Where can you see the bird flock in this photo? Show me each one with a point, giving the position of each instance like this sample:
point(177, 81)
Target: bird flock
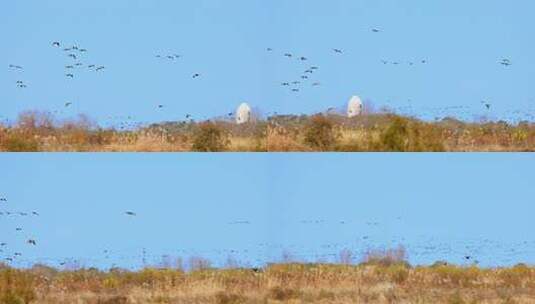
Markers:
point(24, 236)
point(74, 64)
point(362, 236)
point(307, 75)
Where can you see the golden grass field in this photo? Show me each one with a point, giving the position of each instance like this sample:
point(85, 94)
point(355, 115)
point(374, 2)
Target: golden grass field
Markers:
point(39, 131)
point(277, 283)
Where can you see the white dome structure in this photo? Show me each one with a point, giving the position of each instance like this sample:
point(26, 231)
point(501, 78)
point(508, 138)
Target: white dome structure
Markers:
point(355, 107)
point(243, 114)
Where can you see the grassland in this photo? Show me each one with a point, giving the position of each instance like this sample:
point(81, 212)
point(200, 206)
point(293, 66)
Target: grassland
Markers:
point(370, 282)
point(39, 131)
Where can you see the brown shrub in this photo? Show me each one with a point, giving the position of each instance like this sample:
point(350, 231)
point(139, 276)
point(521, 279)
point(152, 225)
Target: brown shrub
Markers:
point(320, 133)
point(229, 298)
point(283, 294)
point(210, 138)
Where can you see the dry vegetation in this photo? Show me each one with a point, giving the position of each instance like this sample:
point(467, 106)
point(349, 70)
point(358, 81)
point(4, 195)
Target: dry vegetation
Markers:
point(39, 131)
point(381, 277)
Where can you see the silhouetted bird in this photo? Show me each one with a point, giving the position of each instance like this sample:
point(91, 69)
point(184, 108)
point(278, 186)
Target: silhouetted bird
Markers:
point(506, 62)
point(339, 51)
point(288, 55)
point(100, 68)
point(67, 104)
point(196, 75)
point(376, 30)
point(269, 49)
point(32, 242)
point(55, 43)
point(130, 213)
point(13, 66)
point(69, 75)
point(83, 50)
point(73, 56)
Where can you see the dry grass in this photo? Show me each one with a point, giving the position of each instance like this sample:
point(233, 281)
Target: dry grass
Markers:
point(370, 282)
point(39, 131)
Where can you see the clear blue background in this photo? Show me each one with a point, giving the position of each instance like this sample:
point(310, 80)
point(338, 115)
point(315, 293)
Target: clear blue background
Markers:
point(311, 206)
point(226, 42)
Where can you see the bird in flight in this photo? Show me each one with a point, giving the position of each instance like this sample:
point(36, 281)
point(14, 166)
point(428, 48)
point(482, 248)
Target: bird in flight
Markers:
point(269, 49)
point(285, 84)
point(288, 55)
point(83, 50)
point(315, 84)
point(303, 58)
point(73, 56)
point(69, 75)
point(3, 199)
point(160, 106)
point(130, 213)
point(35, 213)
point(339, 51)
point(69, 67)
point(375, 30)
point(100, 68)
point(67, 104)
point(196, 75)
point(506, 62)
point(13, 66)
point(55, 43)
point(32, 242)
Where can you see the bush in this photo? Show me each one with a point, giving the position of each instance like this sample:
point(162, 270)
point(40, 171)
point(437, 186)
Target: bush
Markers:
point(210, 138)
point(320, 133)
point(19, 143)
point(224, 298)
point(404, 135)
point(283, 294)
point(16, 287)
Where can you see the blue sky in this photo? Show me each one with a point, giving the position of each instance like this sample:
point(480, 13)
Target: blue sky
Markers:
point(255, 207)
point(226, 41)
